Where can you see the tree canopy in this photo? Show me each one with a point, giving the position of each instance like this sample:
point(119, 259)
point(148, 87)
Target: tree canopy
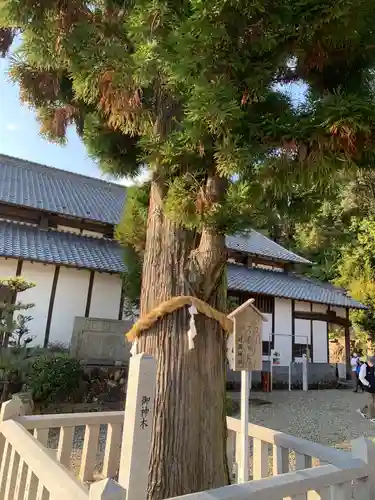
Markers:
point(195, 89)
point(190, 86)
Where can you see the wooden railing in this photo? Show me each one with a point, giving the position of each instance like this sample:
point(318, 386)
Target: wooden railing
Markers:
point(99, 450)
point(273, 452)
point(326, 482)
point(28, 472)
point(281, 465)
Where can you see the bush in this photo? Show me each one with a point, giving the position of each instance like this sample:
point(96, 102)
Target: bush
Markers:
point(57, 347)
point(55, 379)
point(232, 407)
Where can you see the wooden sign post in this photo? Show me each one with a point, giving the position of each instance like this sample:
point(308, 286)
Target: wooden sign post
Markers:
point(138, 416)
point(274, 361)
point(246, 357)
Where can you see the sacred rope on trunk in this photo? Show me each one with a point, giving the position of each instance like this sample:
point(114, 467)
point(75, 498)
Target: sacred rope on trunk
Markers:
point(173, 304)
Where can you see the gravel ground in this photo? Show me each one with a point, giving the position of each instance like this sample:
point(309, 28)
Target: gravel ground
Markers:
point(328, 417)
point(325, 416)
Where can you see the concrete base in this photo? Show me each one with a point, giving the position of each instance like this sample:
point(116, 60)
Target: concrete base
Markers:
point(319, 375)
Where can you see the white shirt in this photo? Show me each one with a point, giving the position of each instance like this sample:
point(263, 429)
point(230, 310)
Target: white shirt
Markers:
point(353, 363)
point(362, 375)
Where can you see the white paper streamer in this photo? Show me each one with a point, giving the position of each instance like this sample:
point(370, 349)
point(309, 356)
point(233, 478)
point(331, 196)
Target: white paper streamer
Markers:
point(230, 351)
point(133, 350)
point(192, 333)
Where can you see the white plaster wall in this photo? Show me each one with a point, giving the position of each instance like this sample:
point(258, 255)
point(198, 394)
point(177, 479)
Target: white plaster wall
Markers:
point(70, 301)
point(302, 331)
point(267, 327)
point(320, 308)
point(320, 342)
point(106, 296)
point(265, 266)
point(302, 306)
point(66, 229)
point(76, 230)
point(85, 232)
point(8, 267)
point(266, 332)
point(283, 325)
point(340, 311)
point(42, 276)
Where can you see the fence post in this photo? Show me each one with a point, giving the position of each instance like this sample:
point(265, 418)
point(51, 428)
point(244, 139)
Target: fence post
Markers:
point(106, 490)
point(243, 469)
point(364, 449)
point(138, 419)
point(10, 409)
point(304, 373)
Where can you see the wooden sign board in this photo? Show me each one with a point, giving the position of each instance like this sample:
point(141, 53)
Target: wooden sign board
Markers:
point(275, 357)
point(247, 337)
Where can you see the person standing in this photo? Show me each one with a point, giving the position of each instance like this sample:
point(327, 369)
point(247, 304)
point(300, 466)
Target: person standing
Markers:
point(367, 379)
point(358, 382)
point(354, 365)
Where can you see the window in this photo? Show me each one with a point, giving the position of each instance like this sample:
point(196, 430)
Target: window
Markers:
point(265, 304)
point(298, 350)
point(266, 348)
point(233, 301)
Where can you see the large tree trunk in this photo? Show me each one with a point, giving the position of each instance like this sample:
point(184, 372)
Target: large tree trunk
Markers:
point(189, 430)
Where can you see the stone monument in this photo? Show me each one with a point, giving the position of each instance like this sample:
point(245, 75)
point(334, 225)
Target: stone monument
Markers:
point(100, 341)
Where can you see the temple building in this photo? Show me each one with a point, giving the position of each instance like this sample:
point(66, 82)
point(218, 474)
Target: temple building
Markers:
point(57, 230)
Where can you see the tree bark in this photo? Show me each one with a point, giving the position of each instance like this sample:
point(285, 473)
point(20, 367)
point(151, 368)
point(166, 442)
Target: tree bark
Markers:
point(188, 451)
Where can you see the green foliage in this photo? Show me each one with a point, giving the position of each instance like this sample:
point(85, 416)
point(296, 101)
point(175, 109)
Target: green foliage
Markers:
point(117, 153)
point(356, 271)
point(16, 284)
point(57, 347)
point(131, 233)
point(195, 90)
point(321, 238)
point(132, 277)
point(21, 337)
point(9, 288)
point(15, 363)
point(55, 378)
point(232, 407)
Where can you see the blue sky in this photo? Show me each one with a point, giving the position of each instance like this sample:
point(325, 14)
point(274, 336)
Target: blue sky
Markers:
point(19, 134)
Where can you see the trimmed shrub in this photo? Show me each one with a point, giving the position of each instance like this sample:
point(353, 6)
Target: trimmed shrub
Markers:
point(55, 379)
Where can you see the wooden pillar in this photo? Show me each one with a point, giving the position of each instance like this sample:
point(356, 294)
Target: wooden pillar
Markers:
point(51, 304)
point(89, 294)
point(347, 344)
point(293, 330)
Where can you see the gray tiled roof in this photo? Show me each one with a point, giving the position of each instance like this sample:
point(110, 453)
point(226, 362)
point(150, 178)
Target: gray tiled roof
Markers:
point(256, 243)
point(58, 191)
point(46, 188)
point(287, 285)
point(32, 243)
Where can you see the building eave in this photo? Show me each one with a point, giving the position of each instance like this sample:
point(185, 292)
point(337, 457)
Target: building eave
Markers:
point(286, 286)
point(30, 243)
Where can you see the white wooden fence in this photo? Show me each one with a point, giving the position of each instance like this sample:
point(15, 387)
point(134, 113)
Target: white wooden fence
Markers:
point(36, 453)
point(101, 432)
point(29, 471)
